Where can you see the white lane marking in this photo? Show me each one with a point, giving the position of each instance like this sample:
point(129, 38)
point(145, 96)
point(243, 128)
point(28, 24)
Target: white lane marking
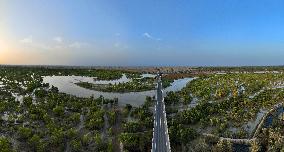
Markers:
point(160, 122)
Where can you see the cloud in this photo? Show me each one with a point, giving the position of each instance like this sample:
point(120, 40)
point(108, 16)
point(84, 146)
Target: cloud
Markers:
point(149, 36)
point(27, 40)
point(120, 45)
point(58, 39)
point(78, 45)
point(59, 45)
point(30, 42)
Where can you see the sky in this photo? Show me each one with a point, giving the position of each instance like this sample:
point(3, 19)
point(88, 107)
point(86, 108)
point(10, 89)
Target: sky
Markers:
point(142, 33)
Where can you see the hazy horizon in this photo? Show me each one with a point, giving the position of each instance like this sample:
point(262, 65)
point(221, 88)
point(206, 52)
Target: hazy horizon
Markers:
point(142, 33)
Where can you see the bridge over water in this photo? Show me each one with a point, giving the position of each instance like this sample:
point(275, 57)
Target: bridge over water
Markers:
point(160, 141)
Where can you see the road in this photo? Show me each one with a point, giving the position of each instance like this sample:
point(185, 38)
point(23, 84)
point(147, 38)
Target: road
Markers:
point(160, 142)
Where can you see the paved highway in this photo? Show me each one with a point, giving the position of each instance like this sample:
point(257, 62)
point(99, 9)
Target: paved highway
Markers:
point(160, 142)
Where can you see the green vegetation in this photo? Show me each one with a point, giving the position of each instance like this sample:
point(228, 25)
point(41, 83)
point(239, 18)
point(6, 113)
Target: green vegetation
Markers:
point(5, 145)
point(226, 102)
point(46, 120)
point(271, 139)
point(37, 117)
point(100, 74)
point(137, 134)
point(136, 85)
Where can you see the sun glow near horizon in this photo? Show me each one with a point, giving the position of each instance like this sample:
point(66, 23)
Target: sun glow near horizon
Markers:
point(197, 33)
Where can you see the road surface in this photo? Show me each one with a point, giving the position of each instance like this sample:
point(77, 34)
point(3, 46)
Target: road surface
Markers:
point(160, 142)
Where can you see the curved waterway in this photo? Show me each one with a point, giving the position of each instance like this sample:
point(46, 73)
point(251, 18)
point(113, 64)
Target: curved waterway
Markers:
point(267, 124)
point(275, 115)
point(66, 84)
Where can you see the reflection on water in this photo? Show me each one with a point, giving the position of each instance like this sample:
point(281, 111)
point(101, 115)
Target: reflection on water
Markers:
point(240, 147)
point(75, 79)
point(66, 84)
point(269, 120)
point(123, 79)
point(252, 124)
point(148, 75)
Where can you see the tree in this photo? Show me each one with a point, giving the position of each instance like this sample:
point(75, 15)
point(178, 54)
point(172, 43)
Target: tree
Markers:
point(28, 101)
point(112, 117)
point(36, 143)
point(223, 146)
point(198, 145)
point(148, 101)
point(255, 146)
point(96, 121)
point(59, 110)
point(171, 98)
point(187, 134)
point(128, 107)
point(130, 141)
point(132, 127)
point(5, 145)
point(40, 93)
point(110, 146)
point(71, 133)
point(86, 139)
point(76, 145)
point(74, 118)
point(54, 89)
point(24, 133)
point(57, 137)
point(187, 99)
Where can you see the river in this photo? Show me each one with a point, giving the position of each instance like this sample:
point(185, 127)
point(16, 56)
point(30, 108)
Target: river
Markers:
point(66, 84)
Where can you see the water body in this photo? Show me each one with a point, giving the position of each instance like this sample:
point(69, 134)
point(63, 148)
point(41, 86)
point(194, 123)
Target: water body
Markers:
point(148, 75)
point(75, 79)
point(240, 148)
point(252, 124)
point(67, 85)
point(269, 120)
point(123, 79)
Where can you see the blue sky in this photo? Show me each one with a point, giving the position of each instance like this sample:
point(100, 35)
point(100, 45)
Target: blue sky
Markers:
point(148, 32)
